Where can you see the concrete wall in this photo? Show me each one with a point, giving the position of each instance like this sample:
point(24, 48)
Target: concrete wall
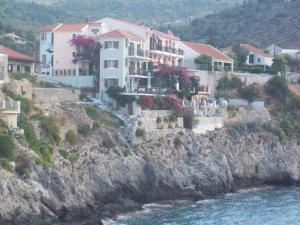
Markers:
point(205, 124)
point(55, 95)
point(74, 81)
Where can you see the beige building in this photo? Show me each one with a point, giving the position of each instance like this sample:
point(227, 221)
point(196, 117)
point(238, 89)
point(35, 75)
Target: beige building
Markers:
point(3, 69)
point(17, 61)
point(9, 111)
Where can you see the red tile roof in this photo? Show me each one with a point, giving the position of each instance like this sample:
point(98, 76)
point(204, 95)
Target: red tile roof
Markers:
point(49, 28)
point(255, 50)
point(250, 48)
point(208, 50)
point(12, 54)
point(71, 27)
point(120, 33)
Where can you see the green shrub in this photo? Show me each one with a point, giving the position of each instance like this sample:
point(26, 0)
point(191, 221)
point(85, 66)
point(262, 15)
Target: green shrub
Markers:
point(95, 126)
point(126, 152)
point(6, 147)
point(177, 142)
point(173, 118)
point(158, 120)
point(108, 143)
point(140, 132)
point(93, 112)
point(26, 105)
point(23, 167)
point(84, 129)
point(29, 132)
point(239, 127)
point(6, 165)
point(277, 87)
point(63, 153)
point(71, 137)
point(73, 158)
point(279, 132)
point(51, 129)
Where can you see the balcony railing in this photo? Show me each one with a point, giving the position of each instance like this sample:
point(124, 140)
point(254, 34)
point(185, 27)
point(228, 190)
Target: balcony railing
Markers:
point(139, 52)
point(144, 90)
point(10, 106)
point(176, 51)
point(82, 56)
point(139, 72)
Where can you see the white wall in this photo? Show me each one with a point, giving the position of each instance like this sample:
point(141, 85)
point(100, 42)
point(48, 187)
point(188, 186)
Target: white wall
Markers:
point(74, 81)
point(44, 46)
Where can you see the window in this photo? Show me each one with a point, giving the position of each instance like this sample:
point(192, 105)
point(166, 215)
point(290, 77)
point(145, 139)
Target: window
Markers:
point(43, 36)
point(18, 68)
point(1, 72)
point(111, 64)
point(258, 60)
point(73, 36)
point(110, 82)
point(111, 44)
point(73, 54)
point(95, 30)
point(44, 60)
point(10, 67)
point(27, 69)
point(251, 58)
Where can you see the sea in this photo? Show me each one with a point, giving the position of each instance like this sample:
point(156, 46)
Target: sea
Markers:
point(256, 206)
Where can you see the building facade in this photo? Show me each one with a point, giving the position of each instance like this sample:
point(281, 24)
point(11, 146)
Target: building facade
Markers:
point(220, 61)
point(124, 62)
point(18, 62)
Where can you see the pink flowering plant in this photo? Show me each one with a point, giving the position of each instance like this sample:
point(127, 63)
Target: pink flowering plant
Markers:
point(85, 47)
point(173, 103)
point(146, 102)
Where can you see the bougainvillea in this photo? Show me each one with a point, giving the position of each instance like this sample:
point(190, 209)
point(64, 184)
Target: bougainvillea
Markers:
point(146, 102)
point(177, 73)
point(81, 41)
point(173, 103)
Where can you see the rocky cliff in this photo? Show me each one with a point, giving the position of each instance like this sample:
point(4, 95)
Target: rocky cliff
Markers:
point(104, 182)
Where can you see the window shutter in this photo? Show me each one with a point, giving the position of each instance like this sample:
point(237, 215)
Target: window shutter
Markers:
point(106, 45)
point(116, 43)
point(116, 63)
point(106, 83)
point(105, 63)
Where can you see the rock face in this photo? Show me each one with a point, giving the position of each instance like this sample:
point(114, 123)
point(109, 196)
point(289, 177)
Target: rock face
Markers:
point(104, 182)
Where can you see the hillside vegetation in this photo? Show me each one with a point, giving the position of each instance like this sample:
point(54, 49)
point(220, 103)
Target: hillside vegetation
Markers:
point(260, 22)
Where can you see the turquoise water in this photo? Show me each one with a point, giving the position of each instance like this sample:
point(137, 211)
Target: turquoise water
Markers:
point(266, 206)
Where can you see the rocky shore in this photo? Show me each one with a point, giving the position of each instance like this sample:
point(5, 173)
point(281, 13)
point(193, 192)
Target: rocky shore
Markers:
point(104, 182)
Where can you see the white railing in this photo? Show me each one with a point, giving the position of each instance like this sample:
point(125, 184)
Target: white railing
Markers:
point(10, 106)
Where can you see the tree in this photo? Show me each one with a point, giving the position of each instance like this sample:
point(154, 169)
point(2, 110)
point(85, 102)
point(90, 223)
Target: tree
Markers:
point(241, 54)
point(277, 87)
point(204, 62)
point(279, 64)
point(116, 93)
point(250, 93)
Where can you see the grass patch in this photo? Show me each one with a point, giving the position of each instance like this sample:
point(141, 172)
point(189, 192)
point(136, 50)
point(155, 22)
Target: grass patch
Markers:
point(71, 137)
point(6, 147)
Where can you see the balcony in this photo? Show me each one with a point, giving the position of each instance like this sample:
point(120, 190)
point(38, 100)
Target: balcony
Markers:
point(142, 91)
point(82, 57)
point(137, 73)
point(10, 106)
point(138, 53)
point(168, 50)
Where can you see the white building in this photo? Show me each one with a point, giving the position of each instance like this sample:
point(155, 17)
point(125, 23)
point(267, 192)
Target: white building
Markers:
point(275, 50)
point(256, 56)
point(124, 63)
point(220, 61)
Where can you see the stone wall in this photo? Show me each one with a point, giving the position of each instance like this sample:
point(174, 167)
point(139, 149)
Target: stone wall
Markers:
point(20, 87)
point(156, 123)
point(55, 95)
point(210, 79)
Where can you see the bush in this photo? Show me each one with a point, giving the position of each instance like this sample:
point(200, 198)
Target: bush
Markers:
point(6, 147)
point(239, 127)
point(6, 165)
point(73, 158)
point(146, 102)
point(140, 132)
point(277, 87)
point(158, 120)
point(23, 167)
point(126, 152)
point(188, 119)
point(108, 143)
point(84, 129)
point(249, 93)
point(177, 142)
point(71, 137)
point(173, 118)
point(95, 126)
point(93, 113)
point(254, 126)
point(63, 153)
point(51, 129)
point(29, 133)
point(279, 132)
point(26, 105)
